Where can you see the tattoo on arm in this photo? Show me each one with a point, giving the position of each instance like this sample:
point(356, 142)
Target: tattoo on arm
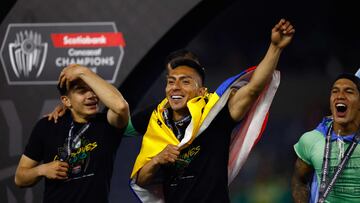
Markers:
point(300, 181)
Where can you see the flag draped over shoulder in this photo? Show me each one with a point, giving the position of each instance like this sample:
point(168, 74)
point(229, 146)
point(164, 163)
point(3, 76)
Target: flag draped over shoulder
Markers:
point(203, 110)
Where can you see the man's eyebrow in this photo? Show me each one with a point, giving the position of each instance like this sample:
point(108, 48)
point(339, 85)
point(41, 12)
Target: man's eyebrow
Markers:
point(345, 88)
point(180, 77)
point(79, 87)
point(350, 88)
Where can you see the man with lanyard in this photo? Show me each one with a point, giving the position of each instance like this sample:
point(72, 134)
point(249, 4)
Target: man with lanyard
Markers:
point(75, 155)
point(187, 136)
point(328, 158)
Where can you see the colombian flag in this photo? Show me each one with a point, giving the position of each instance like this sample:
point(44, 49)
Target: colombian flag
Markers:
point(203, 110)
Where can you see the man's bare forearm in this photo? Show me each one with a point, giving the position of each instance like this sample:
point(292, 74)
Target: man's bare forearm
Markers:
point(300, 181)
point(300, 192)
point(26, 177)
point(147, 172)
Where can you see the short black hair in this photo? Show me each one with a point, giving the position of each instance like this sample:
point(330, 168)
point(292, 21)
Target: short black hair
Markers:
point(183, 57)
point(64, 90)
point(351, 77)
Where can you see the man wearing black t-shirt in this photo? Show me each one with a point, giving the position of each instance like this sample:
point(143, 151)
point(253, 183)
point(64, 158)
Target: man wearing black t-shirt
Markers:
point(194, 166)
point(75, 155)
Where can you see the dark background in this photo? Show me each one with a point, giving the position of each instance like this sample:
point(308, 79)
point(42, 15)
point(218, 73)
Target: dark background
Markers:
point(228, 36)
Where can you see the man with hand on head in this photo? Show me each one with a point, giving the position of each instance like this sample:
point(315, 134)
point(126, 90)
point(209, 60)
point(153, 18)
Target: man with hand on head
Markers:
point(76, 155)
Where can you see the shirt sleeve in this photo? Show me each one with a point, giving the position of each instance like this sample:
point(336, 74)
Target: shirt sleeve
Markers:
point(34, 148)
point(130, 130)
point(303, 147)
point(140, 120)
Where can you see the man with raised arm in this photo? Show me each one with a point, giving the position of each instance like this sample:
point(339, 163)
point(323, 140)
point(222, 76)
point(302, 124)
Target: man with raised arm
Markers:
point(188, 152)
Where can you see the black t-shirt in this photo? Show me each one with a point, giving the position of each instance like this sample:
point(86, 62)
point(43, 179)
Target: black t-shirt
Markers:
point(201, 174)
point(91, 161)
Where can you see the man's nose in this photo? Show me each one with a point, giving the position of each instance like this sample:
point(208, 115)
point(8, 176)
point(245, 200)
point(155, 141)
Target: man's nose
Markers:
point(91, 94)
point(340, 95)
point(176, 85)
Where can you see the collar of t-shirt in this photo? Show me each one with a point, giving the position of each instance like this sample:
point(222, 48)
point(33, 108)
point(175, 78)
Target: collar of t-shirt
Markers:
point(346, 138)
point(178, 127)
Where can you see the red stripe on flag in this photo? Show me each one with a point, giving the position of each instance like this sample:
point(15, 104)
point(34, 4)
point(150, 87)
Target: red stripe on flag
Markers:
point(251, 69)
point(262, 128)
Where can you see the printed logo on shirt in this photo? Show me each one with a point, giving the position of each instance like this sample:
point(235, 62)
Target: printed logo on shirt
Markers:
point(185, 159)
point(79, 159)
point(190, 154)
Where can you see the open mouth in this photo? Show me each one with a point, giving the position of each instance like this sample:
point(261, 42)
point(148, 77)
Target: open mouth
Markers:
point(91, 104)
point(341, 108)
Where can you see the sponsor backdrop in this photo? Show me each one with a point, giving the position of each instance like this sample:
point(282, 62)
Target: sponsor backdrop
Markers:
point(35, 53)
point(39, 38)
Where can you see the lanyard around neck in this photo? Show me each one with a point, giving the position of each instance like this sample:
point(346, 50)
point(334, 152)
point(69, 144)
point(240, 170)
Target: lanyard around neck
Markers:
point(325, 186)
point(73, 139)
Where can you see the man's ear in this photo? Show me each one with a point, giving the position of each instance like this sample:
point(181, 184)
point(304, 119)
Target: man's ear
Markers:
point(203, 91)
point(66, 101)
